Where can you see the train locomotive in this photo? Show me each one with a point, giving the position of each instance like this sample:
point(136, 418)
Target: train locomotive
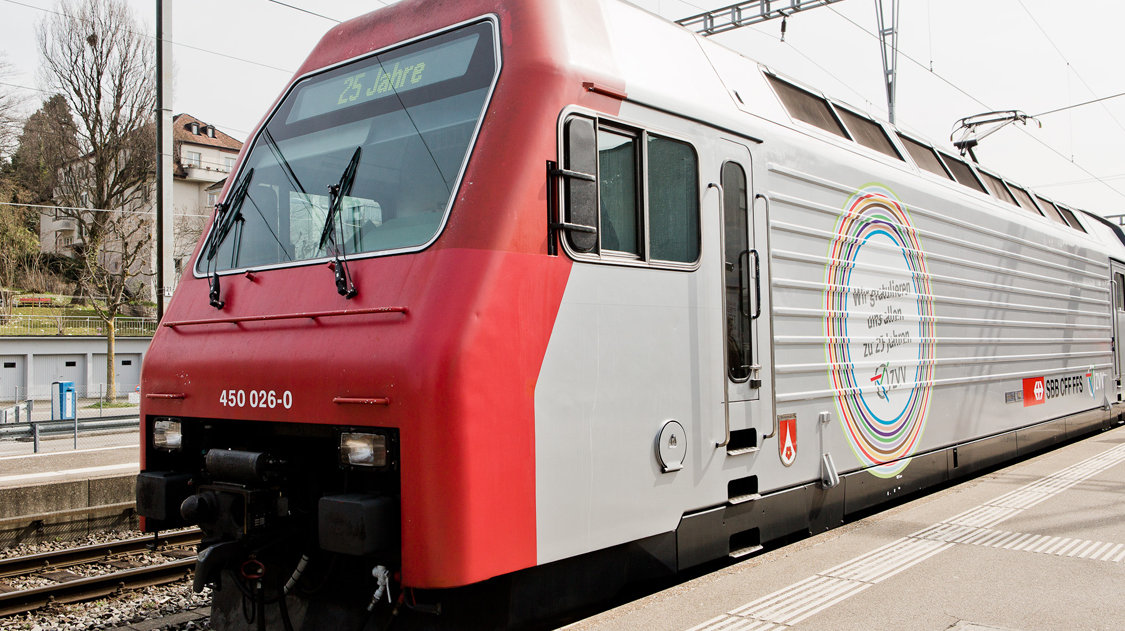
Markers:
point(536, 298)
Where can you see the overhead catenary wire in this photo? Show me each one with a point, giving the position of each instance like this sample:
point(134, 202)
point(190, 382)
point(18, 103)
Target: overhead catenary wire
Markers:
point(151, 36)
point(302, 10)
point(1090, 102)
point(1069, 65)
point(24, 87)
point(984, 105)
point(94, 210)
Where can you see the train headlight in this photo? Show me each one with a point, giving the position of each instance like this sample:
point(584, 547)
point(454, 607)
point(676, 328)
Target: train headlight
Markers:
point(363, 450)
point(167, 434)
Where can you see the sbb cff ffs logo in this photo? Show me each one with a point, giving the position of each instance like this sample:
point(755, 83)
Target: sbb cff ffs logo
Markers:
point(1037, 390)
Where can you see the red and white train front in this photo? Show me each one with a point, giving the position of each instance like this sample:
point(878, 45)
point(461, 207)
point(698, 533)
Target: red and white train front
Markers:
point(348, 371)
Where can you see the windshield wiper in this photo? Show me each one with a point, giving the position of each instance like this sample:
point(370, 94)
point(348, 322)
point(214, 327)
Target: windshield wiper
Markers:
point(336, 193)
point(282, 162)
point(228, 215)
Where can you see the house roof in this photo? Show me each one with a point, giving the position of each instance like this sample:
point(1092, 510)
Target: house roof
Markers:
point(181, 132)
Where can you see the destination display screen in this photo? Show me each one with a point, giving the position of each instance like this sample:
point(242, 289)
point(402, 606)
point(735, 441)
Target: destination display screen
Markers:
point(381, 77)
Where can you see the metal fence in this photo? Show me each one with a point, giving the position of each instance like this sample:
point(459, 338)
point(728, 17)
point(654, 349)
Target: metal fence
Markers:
point(33, 425)
point(29, 325)
point(91, 401)
point(56, 436)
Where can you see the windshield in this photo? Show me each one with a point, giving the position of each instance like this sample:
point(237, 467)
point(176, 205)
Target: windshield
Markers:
point(412, 112)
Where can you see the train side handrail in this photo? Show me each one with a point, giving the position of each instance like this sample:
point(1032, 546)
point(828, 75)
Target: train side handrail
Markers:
point(287, 316)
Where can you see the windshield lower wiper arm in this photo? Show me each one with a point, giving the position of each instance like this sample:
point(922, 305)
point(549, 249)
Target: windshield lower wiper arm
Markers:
point(336, 193)
point(229, 213)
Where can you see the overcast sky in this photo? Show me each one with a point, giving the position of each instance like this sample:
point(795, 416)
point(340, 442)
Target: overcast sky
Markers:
point(232, 59)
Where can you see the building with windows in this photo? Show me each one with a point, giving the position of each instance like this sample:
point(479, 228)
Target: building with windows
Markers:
point(204, 156)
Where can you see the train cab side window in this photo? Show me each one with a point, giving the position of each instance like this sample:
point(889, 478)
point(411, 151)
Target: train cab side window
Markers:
point(630, 196)
point(996, 185)
point(962, 173)
point(673, 200)
point(924, 157)
point(581, 156)
point(1071, 218)
point(806, 106)
point(1119, 290)
point(1052, 213)
point(617, 189)
point(868, 133)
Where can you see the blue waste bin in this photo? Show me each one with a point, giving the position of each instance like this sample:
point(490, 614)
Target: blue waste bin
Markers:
point(63, 401)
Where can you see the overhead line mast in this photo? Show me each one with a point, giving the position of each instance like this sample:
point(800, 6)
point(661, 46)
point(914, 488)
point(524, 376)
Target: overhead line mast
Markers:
point(888, 46)
point(742, 14)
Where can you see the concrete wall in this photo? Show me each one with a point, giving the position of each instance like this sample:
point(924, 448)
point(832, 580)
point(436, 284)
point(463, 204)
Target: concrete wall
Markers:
point(66, 509)
point(28, 365)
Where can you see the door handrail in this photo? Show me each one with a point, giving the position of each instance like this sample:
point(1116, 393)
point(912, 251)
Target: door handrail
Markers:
point(773, 364)
point(723, 311)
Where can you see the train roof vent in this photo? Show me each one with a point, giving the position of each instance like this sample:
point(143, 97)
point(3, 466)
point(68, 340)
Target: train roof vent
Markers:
point(996, 185)
point(1050, 210)
point(868, 133)
point(924, 156)
point(806, 106)
point(1071, 218)
point(962, 172)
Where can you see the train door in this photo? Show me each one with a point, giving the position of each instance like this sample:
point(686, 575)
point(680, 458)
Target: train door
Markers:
point(1118, 287)
point(742, 305)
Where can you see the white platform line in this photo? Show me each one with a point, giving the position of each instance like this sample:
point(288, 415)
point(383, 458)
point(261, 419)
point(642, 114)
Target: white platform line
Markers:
point(976, 537)
point(920, 556)
point(1081, 550)
point(1045, 544)
point(1097, 552)
point(1022, 541)
point(825, 592)
point(1066, 550)
point(1003, 539)
point(1058, 546)
point(70, 452)
point(728, 622)
point(769, 598)
point(128, 466)
point(859, 587)
point(1112, 551)
point(793, 604)
point(794, 600)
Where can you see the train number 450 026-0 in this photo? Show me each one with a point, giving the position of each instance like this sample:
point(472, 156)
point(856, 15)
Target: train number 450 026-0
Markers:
point(256, 398)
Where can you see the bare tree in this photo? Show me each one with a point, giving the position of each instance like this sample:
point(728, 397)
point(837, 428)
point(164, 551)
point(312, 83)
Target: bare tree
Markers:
point(10, 103)
point(17, 243)
point(187, 230)
point(96, 57)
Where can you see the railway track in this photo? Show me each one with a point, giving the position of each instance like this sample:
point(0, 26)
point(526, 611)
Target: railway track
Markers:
point(70, 587)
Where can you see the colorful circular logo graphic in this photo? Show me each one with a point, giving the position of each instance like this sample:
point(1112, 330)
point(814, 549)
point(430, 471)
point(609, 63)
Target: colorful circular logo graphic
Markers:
point(879, 328)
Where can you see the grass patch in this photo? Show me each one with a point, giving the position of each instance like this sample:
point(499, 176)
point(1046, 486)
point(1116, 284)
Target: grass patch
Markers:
point(105, 405)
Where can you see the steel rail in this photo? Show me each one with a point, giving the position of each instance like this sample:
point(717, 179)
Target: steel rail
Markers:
point(93, 587)
point(16, 566)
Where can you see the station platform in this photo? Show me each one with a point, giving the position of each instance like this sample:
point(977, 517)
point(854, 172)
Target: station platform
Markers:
point(63, 466)
point(1039, 545)
point(65, 495)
